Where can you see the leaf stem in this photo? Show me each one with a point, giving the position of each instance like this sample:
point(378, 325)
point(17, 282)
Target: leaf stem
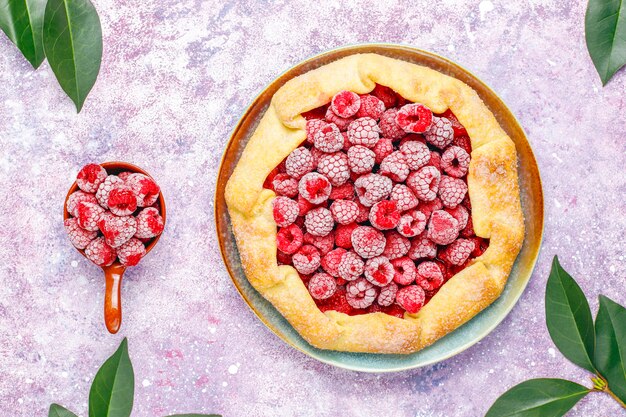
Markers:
point(600, 385)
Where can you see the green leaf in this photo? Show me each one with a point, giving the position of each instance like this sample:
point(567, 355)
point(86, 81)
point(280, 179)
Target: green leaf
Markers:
point(605, 31)
point(22, 21)
point(113, 388)
point(72, 39)
point(569, 318)
point(610, 354)
point(543, 397)
point(57, 411)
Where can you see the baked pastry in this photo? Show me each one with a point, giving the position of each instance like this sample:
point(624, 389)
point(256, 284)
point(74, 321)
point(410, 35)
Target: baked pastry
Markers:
point(377, 205)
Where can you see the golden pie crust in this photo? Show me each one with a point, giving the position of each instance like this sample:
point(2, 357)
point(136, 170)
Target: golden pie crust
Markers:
point(493, 191)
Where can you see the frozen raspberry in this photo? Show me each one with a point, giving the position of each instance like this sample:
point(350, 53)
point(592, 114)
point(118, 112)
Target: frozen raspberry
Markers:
point(283, 184)
point(414, 118)
point(428, 207)
point(122, 200)
point(457, 252)
point(442, 228)
point(335, 167)
point(455, 161)
point(328, 139)
point(319, 221)
point(322, 286)
point(383, 148)
point(79, 237)
point(424, 183)
point(371, 106)
point(396, 246)
point(468, 230)
point(404, 197)
point(364, 131)
point(299, 162)
point(341, 122)
point(440, 133)
point(368, 242)
point(411, 298)
point(344, 211)
point(459, 129)
point(412, 223)
point(78, 197)
point(345, 104)
point(285, 211)
point(463, 142)
point(351, 266)
point(98, 252)
point(422, 247)
point(343, 235)
point(307, 259)
point(416, 154)
point(387, 294)
point(324, 243)
point(404, 271)
point(360, 293)
point(385, 94)
point(395, 167)
point(88, 214)
point(289, 239)
point(361, 159)
point(117, 230)
point(314, 187)
point(379, 271)
point(451, 191)
point(429, 276)
point(330, 261)
point(342, 192)
point(384, 215)
point(371, 188)
point(364, 212)
point(435, 160)
point(312, 127)
point(461, 215)
point(131, 252)
point(90, 177)
point(105, 188)
point(144, 187)
point(149, 223)
point(388, 125)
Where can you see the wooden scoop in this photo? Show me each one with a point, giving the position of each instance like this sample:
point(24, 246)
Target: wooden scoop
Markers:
point(114, 273)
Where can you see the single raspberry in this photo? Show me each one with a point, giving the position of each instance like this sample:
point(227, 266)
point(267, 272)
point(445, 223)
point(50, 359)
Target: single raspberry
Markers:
point(428, 207)
point(442, 228)
point(459, 129)
point(379, 271)
point(314, 187)
point(319, 221)
point(105, 188)
point(422, 247)
point(388, 125)
point(344, 211)
point(414, 118)
point(404, 197)
point(371, 188)
point(455, 161)
point(149, 223)
point(330, 261)
point(468, 230)
point(351, 266)
point(342, 192)
point(416, 154)
point(396, 246)
point(289, 239)
point(88, 214)
point(463, 142)
point(395, 167)
point(452, 191)
point(440, 133)
point(429, 276)
point(79, 237)
point(364, 213)
point(78, 197)
point(117, 230)
point(368, 242)
point(98, 252)
point(461, 215)
point(424, 183)
point(404, 271)
point(411, 298)
point(122, 200)
point(90, 177)
point(371, 106)
point(283, 184)
point(335, 167)
point(285, 211)
point(361, 159)
point(345, 104)
point(457, 252)
point(364, 131)
point(328, 139)
point(131, 252)
point(412, 223)
point(145, 188)
point(343, 235)
point(435, 160)
point(322, 286)
point(385, 94)
point(299, 162)
point(360, 293)
point(337, 302)
point(312, 127)
point(383, 148)
point(341, 122)
point(324, 243)
point(307, 259)
point(304, 206)
point(384, 215)
point(387, 294)
point(282, 258)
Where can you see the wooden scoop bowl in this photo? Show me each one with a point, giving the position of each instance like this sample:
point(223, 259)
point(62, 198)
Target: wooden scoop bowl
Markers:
point(114, 273)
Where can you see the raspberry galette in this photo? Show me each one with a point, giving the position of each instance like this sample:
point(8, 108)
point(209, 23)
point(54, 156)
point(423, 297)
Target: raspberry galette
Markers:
point(376, 205)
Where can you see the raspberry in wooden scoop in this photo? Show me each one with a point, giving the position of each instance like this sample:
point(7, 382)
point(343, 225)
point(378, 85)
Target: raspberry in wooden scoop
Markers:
point(90, 177)
point(145, 189)
point(131, 252)
point(122, 201)
point(101, 254)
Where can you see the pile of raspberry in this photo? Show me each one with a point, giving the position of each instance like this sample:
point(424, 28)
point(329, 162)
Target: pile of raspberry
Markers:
point(372, 209)
point(113, 216)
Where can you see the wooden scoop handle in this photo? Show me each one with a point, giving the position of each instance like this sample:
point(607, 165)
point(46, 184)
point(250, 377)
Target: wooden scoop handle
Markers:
point(113, 275)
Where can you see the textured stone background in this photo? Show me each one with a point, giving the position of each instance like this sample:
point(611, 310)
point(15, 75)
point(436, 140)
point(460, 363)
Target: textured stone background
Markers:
point(176, 76)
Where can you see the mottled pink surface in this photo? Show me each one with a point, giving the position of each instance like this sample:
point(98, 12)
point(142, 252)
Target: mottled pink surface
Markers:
point(176, 76)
